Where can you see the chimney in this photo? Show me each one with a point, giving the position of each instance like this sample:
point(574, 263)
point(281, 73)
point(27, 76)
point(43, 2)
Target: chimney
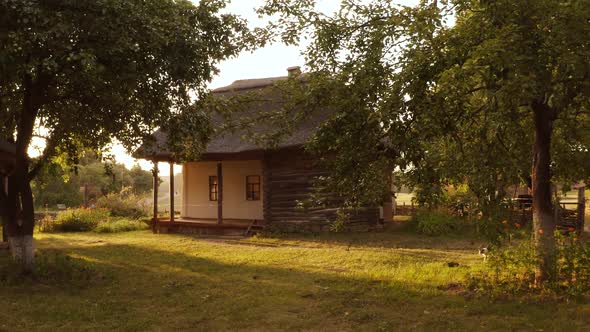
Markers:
point(294, 71)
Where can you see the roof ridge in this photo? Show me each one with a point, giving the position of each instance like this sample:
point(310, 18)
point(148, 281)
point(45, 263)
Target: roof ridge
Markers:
point(250, 83)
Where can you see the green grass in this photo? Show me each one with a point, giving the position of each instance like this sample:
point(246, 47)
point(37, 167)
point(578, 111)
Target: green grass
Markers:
point(332, 282)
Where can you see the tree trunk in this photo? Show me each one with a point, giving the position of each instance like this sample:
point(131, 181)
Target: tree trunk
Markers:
point(20, 212)
point(20, 219)
point(543, 220)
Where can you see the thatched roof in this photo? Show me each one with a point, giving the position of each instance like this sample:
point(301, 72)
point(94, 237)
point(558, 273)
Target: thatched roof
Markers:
point(236, 141)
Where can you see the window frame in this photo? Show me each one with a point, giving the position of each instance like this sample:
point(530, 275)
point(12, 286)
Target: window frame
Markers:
point(213, 188)
point(253, 189)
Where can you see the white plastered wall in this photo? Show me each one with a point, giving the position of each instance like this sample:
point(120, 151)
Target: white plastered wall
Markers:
point(235, 206)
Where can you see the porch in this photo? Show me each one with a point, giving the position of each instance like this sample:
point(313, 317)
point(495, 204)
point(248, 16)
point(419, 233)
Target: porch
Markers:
point(219, 196)
point(204, 226)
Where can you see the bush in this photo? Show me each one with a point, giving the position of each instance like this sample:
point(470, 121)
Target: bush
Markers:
point(124, 204)
point(437, 223)
point(78, 220)
point(511, 270)
point(120, 225)
point(97, 220)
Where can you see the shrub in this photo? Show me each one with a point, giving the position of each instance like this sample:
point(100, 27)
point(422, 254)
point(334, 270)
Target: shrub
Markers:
point(437, 223)
point(120, 225)
point(124, 204)
point(45, 224)
point(78, 220)
point(511, 270)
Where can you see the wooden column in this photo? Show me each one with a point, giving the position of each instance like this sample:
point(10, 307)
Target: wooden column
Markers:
point(219, 194)
point(171, 191)
point(387, 202)
point(393, 196)
point(581, 208)
point(155, 189)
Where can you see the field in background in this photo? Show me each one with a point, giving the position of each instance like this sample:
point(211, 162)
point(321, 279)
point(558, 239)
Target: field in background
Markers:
point(402, 198)
point(330, 282)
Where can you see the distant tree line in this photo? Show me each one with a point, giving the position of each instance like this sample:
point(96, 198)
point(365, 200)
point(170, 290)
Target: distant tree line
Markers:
point(66, 185)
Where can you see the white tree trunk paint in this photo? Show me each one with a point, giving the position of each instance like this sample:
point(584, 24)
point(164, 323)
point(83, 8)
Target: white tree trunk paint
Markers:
point(22, 250)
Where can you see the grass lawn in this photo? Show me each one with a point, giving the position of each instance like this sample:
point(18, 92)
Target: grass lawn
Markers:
point(332, 282)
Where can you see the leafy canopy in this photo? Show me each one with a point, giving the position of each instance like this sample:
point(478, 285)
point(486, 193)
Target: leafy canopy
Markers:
point(88, 72)
point(447, 87)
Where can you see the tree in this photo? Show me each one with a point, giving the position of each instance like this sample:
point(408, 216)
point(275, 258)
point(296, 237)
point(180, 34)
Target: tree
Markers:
point(62, 184)
point(53, 186)
point(469, 90)
point(80, 73)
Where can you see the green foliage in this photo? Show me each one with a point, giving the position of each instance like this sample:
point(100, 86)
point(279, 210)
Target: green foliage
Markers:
point(572, 265)
point(125, 204)
point(120, 225)
point(51, 188)
point(93, 80)
point(511, 270)
point(99, 220)
point(78, 220)
point(451, 92)
point(339, 225)
point(86, 73)
point(460, 201)
point(443, 88)
point(436, 223)
point(60, 184)
point(141, 181)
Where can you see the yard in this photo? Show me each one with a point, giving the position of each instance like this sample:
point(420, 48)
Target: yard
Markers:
point(373, 281)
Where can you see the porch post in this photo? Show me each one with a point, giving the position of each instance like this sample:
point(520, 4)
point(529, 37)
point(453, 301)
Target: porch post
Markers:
point(219, 193)
point(387, 203)
point(155, 189)
point(581, 208)
point(171, 191)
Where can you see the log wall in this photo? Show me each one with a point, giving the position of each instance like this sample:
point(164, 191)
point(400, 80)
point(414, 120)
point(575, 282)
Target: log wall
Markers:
point(289, 177)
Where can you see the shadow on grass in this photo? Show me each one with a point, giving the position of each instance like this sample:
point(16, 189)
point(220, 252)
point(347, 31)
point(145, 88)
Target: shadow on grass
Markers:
point(168, 289)
point(389, 239)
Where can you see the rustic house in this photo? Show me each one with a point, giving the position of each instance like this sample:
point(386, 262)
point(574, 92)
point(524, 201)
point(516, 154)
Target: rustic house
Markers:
point(240, 185)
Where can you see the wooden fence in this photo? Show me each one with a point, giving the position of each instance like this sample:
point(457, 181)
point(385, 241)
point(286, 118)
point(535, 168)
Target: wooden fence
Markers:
point(568, 215)
point(405, 209)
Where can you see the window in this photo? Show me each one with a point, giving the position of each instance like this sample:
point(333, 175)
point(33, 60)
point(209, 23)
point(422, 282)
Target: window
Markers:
point(213, 188)
point(253, 187)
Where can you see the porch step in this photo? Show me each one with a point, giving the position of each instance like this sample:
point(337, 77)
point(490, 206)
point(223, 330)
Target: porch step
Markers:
point(253, 229)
